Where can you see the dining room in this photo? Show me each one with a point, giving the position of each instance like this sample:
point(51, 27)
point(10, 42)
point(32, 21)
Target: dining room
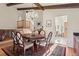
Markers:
point(38, 29)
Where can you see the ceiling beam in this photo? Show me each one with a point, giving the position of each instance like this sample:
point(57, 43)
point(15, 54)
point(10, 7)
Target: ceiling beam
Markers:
point(61, 6)
point(69, 5)
point(35, 8)
point(39, 5)
point(12, 4)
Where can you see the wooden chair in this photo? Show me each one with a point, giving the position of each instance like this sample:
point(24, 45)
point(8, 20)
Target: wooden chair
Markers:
point(42, 32)
point(23, 44)
point(46, 42)
point(15, 41)
point(35, 32)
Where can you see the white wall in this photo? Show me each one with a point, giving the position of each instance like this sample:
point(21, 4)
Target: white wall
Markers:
point(73, 21)
point(22, 14)
point(8, 17)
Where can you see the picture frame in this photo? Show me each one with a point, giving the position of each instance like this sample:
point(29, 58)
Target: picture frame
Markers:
point(48, 23)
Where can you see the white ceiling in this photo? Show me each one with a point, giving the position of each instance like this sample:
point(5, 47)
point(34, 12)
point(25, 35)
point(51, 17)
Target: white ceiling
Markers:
point(46, 4)
point(24, 5)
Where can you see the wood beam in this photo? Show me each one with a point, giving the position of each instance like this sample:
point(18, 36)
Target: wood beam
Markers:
point(12, 4)
point(39, 6)
point(35, 8)
point(69, 5)
point(61, 6)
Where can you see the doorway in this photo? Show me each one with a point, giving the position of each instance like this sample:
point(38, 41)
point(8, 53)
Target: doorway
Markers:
point(61, 29)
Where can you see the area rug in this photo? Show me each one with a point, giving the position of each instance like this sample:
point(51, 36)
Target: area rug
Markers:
point(29, 52)
point(59, 51)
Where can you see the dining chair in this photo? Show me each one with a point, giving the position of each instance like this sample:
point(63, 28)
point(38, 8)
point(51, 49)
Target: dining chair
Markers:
point(39, 32)
point(42, 32)
point(47, 40)
point(15, 41)
point(23, 44)
point(35, 32)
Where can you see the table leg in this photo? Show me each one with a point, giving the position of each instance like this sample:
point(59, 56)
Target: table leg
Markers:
point(35, 46)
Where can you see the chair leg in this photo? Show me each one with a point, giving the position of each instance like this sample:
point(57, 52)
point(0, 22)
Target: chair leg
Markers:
point(39, 44)
point(17, 51)
point(24, 52)
point(13, 48)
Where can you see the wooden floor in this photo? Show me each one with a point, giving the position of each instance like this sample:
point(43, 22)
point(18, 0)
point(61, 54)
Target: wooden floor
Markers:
point(4, 44)
point(69, 51)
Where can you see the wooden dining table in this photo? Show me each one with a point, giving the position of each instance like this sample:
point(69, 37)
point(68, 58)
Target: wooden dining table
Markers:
point(34, 38)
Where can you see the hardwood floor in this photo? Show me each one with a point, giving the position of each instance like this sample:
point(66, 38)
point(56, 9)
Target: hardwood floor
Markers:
point(2, 53)
point(4, 44)
point(69, 51)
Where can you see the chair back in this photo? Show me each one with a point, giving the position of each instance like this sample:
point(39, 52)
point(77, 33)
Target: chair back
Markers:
point(14, 37)
point(20, 39)
point(35, 32)
point(42, 32)
point(49, 37)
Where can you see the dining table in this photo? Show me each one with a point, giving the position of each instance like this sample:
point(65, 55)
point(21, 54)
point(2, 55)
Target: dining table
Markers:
point(34, 38)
